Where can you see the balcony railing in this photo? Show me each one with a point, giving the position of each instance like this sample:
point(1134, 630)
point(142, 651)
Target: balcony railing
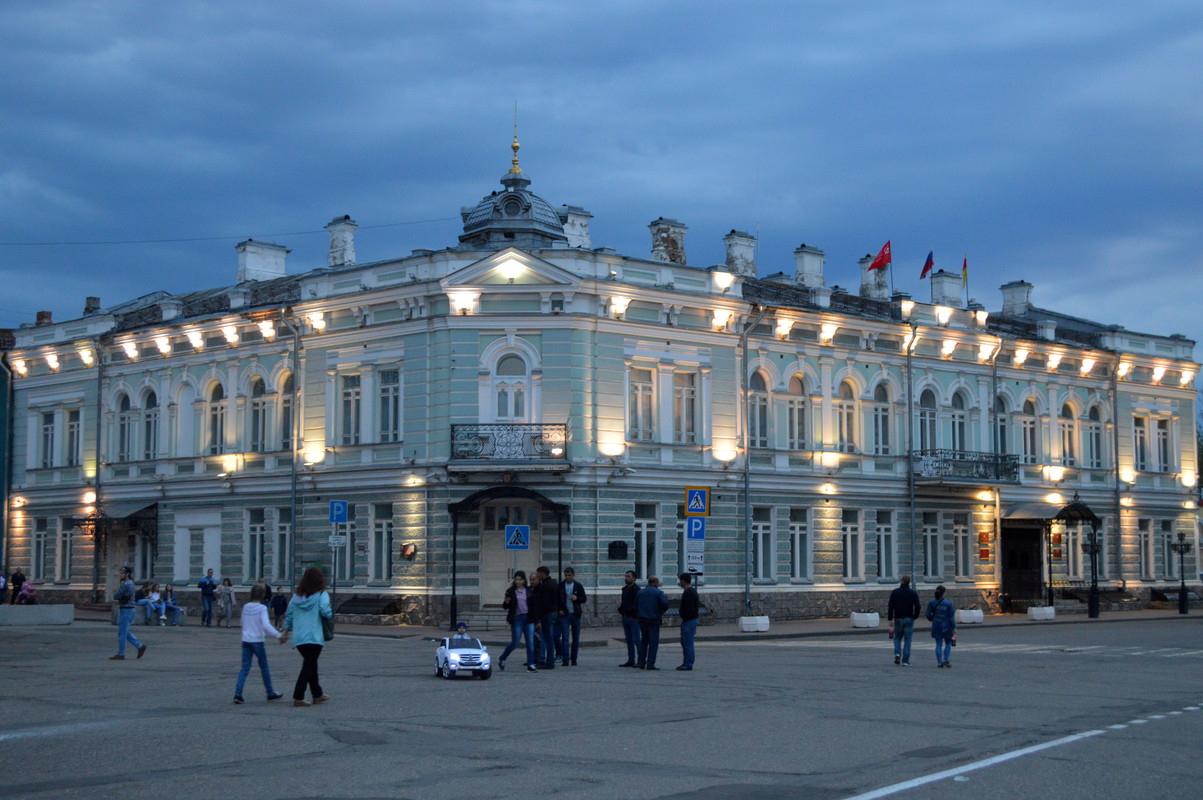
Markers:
point(967, 465)
point(512, 444)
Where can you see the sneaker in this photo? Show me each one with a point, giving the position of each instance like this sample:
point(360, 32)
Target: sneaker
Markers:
point(501, 665)
point(300, 703)
point(162, 624)
point(116, 658)
point(897, 659)
point(274, 696)
point(162, 616)
point(238, 700)
point(141, 651)
point(324, 698)
point(906, 663)
point(531, 668)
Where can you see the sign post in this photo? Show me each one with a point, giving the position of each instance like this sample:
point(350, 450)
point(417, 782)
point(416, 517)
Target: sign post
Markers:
point(338, 516)
point(517, 537)
point(695, 545)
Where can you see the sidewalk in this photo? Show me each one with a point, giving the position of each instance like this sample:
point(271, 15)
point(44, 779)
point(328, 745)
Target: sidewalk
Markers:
point(720, 631)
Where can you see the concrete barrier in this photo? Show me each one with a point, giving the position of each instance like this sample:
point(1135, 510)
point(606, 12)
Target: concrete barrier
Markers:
point(49, 614)
point(753, 624)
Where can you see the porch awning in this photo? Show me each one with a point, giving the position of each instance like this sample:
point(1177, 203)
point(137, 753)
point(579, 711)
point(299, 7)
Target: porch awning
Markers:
point(126, 508)
point(1038, 511)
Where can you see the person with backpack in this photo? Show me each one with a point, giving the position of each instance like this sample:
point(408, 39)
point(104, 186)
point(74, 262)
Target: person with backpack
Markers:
point(279, 606)
point(943, 618)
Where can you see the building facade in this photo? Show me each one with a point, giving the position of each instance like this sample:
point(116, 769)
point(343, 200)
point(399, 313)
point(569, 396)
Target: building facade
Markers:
point(525, 378)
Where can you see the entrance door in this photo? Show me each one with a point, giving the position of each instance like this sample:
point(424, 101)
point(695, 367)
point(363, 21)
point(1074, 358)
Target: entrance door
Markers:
point(497, 564)
point(1019, 550)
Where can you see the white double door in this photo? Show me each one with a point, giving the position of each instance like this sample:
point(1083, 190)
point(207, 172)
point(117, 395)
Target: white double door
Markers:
point(497, 564)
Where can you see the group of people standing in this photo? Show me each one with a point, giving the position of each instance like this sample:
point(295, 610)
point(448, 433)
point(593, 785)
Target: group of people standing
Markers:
point(548, 614)
point(642, 610)
point(904, 610)
point(24, 592)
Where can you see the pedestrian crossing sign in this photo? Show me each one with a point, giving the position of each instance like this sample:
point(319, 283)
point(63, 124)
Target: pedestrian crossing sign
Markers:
point(517, 537)
point(697, 501)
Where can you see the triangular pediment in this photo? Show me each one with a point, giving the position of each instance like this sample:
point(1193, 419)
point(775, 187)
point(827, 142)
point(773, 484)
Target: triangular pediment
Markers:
point(511, 269)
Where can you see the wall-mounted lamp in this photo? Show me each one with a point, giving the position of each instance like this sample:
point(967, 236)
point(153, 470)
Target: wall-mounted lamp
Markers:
point(1054, 361)
point(943, 314)
point(52, 361)
point(618, 306)
point(1054, 473)
point(20, 366)
point(726, 456)
point(557, 450)
point(1054, 498)
point(984, 351)
point(511, 269)
point(1087, 365)
point(827, 488)
point(1158, 374)
point(723, 281)
point(86, 357)
point(231, 334)
point(197, 340)
point(88, 497)
point(317, 320)
point(131, 350)
point(1021, 355)
point(164, 345)
point(721, 319)
point(910, 341)
point(1188, 479)
point(827, 332)
point(981, 317)
point(947, 348)
point(1187, 377)
point(1123, 369)
point(784, 326)
point(907, 306)
point(612, 449)
point(267, 329)
point(19, 501)
point(829, 462)
point(1127, 502)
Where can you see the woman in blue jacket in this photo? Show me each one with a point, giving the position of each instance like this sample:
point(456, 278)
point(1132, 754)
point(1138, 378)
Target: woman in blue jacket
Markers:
point(310, 604)
point(943, 620)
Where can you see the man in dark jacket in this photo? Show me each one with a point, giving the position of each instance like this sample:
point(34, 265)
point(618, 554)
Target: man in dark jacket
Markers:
point(689, 620)
point(17, 580)
point(569, 606)
point(630, 618)
point(650, 605)
point(547, 597)
point(903, 610)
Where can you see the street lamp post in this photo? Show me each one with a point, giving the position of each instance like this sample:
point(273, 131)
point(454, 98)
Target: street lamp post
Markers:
point(1092, 547)
point(1181, 547)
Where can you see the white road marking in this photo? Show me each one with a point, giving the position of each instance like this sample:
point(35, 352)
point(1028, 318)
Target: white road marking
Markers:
point(1119, 727)
point(58, 729)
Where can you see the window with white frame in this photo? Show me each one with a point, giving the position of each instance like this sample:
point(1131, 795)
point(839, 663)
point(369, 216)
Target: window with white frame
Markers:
point(762, 543)
point(1140, 444)
point(682, 536)
point(46, 454)
point(1165, 457)
point(957, 426)
point(62, 561)
point(382, 542)
point(1092, 439)
point(685, 407)
point(881, 420)
point(350, 409)
point(37, 553)
point(345, 567)
point(256, 544)
point(1148, 559)
point(150, 426)
point(796, 409)
point(1169, 559)
point(1028, 433)
point(282, 551)
point(933, 549)
point(511, 387)
point(259, 417)
point(641, 413)
point(961, 546)
point(1001, 428)
point(217, 420)
point(74, 437)
point(927, 420)
point(758, 411)
point(286, 399)
point(800, 557)
point(1069, 450)
point(389, 390)
point(853, 545)
point(125, 429)
point(1073, 551)
point(646, 538)
point(886, 552)
point(846, 419)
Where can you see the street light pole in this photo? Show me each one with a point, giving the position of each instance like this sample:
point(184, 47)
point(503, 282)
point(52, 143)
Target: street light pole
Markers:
point(1181, 547)
point(1092, 547)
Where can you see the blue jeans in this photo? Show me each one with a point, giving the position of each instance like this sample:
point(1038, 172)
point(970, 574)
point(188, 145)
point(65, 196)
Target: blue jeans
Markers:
point(946, 646)
point(904, 628)
point(206, 610)
point(550, 643)
point(649, 642)
point(125, 618)
point(254, 649)
point(630, 632)
point(570, 627)
point(518, 628)
point(689, 629)
point(175, 612)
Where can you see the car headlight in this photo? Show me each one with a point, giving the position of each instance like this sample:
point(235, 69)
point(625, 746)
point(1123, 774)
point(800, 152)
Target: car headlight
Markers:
point(484, 659)
point(453, 658)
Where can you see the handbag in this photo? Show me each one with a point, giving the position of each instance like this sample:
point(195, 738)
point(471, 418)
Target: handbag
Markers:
point(327, 629)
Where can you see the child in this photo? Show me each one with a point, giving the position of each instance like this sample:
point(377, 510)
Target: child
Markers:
point(254, 626)
point(279, 606)
point(225, 601)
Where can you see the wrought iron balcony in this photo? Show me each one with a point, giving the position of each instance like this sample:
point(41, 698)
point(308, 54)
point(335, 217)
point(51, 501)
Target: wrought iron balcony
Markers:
point(504, 446)
point(967, 465)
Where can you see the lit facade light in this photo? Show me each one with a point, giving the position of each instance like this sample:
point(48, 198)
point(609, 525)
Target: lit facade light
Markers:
point(463, 302)
point(1127, 502)
point(1158, 374)
point(315, 455)
point(948, 347)
point(618, 306)
point(722, 318)
point(1087, 365)
point(943, 314)
point(909, 341)
point(784, 326)
point(986, 496)
point(229, 462)
point(20, 366)
point(907, 307)
point(511, 269)
point(1189, 479)
point(612, 449)
point(1054, 361)
point(725, 455)
point(1189, 505)
point(267, 329)
point(231, 334)
point(164, 345)
point(984, 351)
point(827, 332)
point(317, 320)
point(52, 361)
point(18, 501)
point(1055, 498)
point(131, 350)
point(86, 357)
point(1020, 356)
point(982, 316)
point(723, 281)
point(1123, 369)
point(1054, 473)
point(827, 488)
point(1127, 475)
point(197, 340)
point(829, 461)
point(88, 497)
point(1187, 377)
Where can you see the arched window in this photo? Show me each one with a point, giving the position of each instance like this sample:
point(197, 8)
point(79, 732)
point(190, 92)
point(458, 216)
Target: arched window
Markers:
point(125, 429)
point(956, 419)
point(511, 386)
point(758, 411)
point(881, 420)
point(1029, 439)
point(258, 421)
point(285, 434)
point(846, 419)
point(217, 420)
point(796, 409)
point(1092, 439)
point(927, 420)
point(1069, 451)
point(150, 426)
point(1001, 427)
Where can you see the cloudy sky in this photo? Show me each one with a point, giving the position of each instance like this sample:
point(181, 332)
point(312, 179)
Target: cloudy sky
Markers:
point(1055, 143)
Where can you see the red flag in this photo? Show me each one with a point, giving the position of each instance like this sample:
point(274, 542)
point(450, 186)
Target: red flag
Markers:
point(965, 272)
point(883, 258)
point(927, 265)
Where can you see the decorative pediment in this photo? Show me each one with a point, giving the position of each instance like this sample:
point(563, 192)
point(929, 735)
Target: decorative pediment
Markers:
point(512, 269)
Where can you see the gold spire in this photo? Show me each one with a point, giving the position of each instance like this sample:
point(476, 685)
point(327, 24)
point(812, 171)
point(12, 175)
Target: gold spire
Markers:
point(515, 168)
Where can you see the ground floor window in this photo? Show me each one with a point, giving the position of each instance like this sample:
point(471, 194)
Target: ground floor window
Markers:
point(762, 543)
point(645, 539)
point(382, 542)
point(962, 553)
point(933, 563)
point(853, 546)
point(886, 553)
point(799, 545)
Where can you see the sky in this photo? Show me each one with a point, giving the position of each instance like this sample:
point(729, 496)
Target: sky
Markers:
point(1053, 143)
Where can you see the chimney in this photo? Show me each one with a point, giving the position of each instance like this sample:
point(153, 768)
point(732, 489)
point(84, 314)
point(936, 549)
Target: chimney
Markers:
point(874, 283)
point(260, 261)
point(741, 253)
point(44, 318)
point(946, 289)
point(668, 241)
point(576, 226)
point(1017, 298)
point(342, 241)
point(91, 305)
point(808, 269)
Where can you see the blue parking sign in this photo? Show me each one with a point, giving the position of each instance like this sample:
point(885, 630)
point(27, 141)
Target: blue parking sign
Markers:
point(338, 511)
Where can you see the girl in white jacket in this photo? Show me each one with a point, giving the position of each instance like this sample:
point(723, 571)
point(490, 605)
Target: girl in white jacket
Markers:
point(255, 626)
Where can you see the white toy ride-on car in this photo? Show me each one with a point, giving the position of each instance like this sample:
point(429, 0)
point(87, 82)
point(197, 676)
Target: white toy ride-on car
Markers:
point(465, 653)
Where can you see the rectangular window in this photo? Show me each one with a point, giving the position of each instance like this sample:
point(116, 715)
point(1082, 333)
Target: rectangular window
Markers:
point(37, 555)
point(125, 435)
point(1169, 558)
point(345, 568)
point(150, 434)
point(927, 429)
point(390, 405)
point(1000, 434)
point(74, 437)
point(48, 426)
point(762, 543)
point(645, 539)
point(382, 542)
point(797, 424)
point(282, 552)
point(641, 414)
point(1165, 460)
point(1068, 451)
point(1147, 558)
point(853, 546)
point(1073, 551)
point(959, 442)
point(685, 408)
point(217, 426)
point(799, 545)
point(886, 555)
point(846, 424)
point(1027, 428)
point(350, 409)
point(256, 544)
point(881, 430)
point(62, 562)
point(962, 555)
point(1092, 437)
point(1140, 445)
point(286, 417)
point(259, 406)
point(758, 421)
point(933, 556)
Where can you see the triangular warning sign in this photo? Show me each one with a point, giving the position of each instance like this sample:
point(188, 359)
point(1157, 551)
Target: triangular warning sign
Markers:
point(697, 501)
point(518, 539)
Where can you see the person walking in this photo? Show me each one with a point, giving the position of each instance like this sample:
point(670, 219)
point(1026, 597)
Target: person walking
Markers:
point(902, 613)
point(208, 590)
point(279, 606)
point(690, 609)
point(943, 620)
point(255, 626)
point(16, 581)
point(124, 596)
point(547, 596)
point(517, 605)
point(650, 605)
point(570, 606)
point(310, 605)
point(630, 616)
point(225, 601)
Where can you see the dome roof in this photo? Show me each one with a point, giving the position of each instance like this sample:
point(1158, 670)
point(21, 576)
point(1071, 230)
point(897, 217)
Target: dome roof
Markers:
point(513, 217)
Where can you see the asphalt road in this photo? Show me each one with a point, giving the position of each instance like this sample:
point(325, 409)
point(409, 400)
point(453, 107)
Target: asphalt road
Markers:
point(1101, 710)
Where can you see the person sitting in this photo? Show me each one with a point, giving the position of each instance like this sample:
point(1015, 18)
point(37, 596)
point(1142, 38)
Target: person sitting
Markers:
point(169, 604)
point(461, 632)
point(27, 595)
